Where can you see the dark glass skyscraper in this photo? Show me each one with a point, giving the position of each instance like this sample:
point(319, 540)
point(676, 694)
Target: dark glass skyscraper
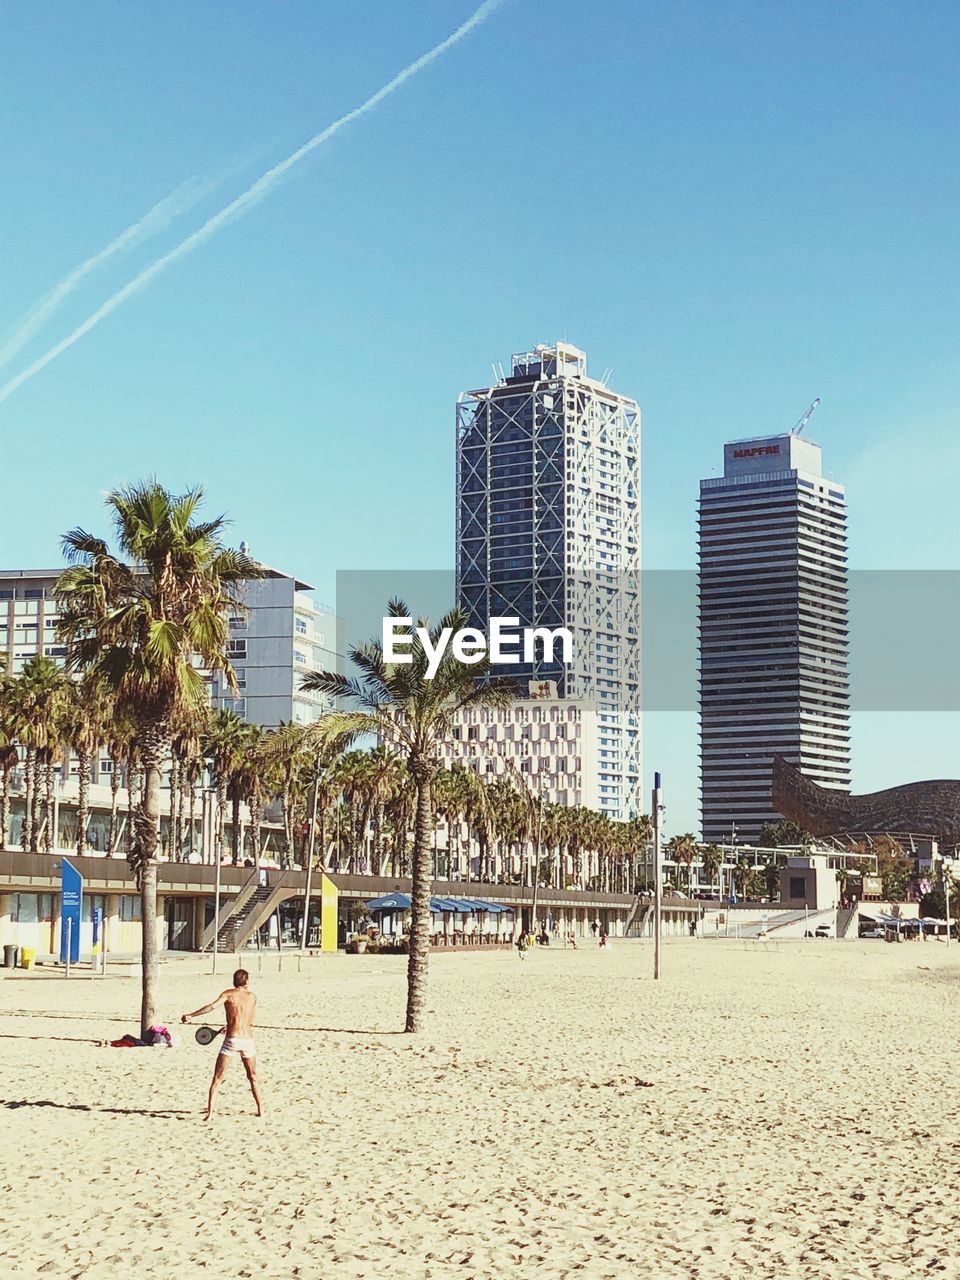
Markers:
point(773, 630)
point(548, 531)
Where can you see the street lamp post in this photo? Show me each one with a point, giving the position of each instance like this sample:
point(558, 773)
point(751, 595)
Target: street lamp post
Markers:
point(946, 891)
point(536, 865)
point(207, 842)
point(310, 846)
point(657, 809)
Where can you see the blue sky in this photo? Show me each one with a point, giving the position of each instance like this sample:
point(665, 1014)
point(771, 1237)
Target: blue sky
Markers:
point(737, 206)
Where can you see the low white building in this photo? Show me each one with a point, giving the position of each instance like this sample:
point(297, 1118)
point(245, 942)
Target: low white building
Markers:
point(551, 742)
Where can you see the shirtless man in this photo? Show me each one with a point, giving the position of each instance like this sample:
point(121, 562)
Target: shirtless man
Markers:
point(240, 1005)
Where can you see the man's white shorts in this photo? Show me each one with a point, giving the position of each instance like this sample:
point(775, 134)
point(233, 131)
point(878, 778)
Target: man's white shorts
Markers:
point(242, 1045)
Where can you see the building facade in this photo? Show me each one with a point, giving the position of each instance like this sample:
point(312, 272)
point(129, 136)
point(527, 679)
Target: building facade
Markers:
point(548, 533)
point(547, 742)
point(280, 634)
point(772, 630)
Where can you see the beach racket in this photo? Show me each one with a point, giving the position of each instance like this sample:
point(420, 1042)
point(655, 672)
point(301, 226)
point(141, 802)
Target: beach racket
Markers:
point(206, 1035)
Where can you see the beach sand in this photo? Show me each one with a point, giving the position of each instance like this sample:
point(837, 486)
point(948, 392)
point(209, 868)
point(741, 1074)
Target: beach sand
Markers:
point(766, 1110)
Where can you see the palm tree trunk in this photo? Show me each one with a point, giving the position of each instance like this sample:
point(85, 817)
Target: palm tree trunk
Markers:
point(114, 806)
point(256, 817)
point(50, 836)
point(181, 800)
point(419, 897)
point(83, 798)
point(174, 844)
point(192, 811)
point(377, 848)
point(35, 806)
point(145, 852)
point(221, 841)
point(130, 777)
point(4, 802)
point(287, 823)
point(235, 831)
point(27, 798)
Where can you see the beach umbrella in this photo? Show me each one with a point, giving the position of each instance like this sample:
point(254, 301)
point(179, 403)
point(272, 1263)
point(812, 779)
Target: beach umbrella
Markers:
point(389, 902)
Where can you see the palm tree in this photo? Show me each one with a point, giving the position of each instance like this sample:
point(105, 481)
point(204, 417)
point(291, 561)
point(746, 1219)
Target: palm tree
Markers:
point(186, 768)
point(119, 736)
point(387, 776)
point(640, 835)
point(141, 627)
point(398, 811)
point(711, 858)
point(415, 715)
point(39, 693)
point(249, 772)
point(223, 744)
point(683, 850)
point(86, 710)
point(9, 755)
point(288, 754)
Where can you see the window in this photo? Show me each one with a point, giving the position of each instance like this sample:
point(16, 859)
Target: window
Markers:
point(299, 657)
point(106, 766)
point(236, 649)
point(301, 626)
point(23, 908)
point(238, 621)
point(798, 887)
point(129, 908)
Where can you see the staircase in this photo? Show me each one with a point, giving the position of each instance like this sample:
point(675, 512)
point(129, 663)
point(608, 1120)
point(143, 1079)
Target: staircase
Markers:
point(636, 919)
point(238, 927)
point(846, 916)
point(227, 911)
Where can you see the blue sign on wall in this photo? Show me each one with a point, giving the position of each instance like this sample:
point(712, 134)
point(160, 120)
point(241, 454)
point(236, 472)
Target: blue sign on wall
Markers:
point(71, 901)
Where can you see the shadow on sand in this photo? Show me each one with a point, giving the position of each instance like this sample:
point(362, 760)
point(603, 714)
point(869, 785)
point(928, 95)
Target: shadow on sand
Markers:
point(106, 1017)
point(84, 1106)
point(11, 1035)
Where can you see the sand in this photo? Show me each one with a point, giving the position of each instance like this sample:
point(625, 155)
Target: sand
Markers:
point(768, 1110)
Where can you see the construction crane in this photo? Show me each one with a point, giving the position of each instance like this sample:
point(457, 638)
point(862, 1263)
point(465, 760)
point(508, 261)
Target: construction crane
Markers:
point(795, 431)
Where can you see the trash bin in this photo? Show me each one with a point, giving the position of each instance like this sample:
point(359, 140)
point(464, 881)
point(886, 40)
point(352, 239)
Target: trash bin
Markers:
point(10, 956)
point(27, 957)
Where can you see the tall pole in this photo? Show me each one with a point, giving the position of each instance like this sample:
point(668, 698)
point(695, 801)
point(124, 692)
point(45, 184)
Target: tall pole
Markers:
point(946, 890)
point(536, 866)
point(208, 838)
point(55, 838)
point(657, 814)
point(310, 845)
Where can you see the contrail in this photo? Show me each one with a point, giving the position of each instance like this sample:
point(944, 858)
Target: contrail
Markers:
point(156, 219)
point(250, 197)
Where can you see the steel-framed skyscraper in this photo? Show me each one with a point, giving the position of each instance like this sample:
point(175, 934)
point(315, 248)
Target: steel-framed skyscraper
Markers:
point(773, 630)
point(548, 531)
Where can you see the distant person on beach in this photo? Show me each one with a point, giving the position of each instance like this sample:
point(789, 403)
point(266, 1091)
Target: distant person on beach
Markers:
point(595, 928)
point(240, 1006)
point(521, 944)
